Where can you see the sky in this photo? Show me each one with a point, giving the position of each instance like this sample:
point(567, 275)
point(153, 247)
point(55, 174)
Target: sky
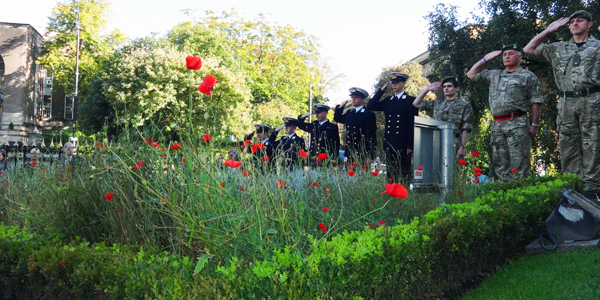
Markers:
point(358, 38)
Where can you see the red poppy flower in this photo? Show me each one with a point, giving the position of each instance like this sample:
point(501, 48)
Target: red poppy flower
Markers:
point(284, 203)
point(162, 155)
point(68, 167)
point(325, 208)
point(4, 214)
point(321, 156)
point(373, 200)
point(245, 143)
point(315, 184)
point(33, 163)
point(395, 190)
point(183, 160)
point(477, 174)
point(474, 154)
point(351, 173)
point(256, 147)
point(223, 184)
point(116, 211)
point(265, 158)
point(419, 168)
point(458, 192)
point(328, 194)
point(462, 162)
point(280, 184)
point(364, 169)
point(232, 163)
point(476, 180)
point(477, 169)
point(155, 144)
point(108, 196)
point(245, 172)
point(389, 179)
point(513, 171)
point(60, 175)
point(99, 146)
point(303, 154)
point(175, 146)
point(322, 226)
point(206, 138)
point(364, 165)
point(382, 223)
point(351, 167)
point(370, 225)
point(327, 189)
point(62, 262)
point(241, 188)
point(207, 85)
point(1, 172)
point(353, 162)
point(193, 62)
point(375, 173)
point(139, 165)
point(308, 185)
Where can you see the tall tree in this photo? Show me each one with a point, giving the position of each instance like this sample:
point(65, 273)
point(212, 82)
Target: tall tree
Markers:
point(59, 49)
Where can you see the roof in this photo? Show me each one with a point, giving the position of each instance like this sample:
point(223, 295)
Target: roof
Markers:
point(22, 24)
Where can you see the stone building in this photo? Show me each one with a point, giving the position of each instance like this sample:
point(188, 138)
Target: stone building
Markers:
point(27, 103)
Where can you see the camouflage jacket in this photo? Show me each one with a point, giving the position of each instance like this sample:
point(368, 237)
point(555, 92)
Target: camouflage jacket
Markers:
point(458, 111)
point(510, 92)
point(575, 68)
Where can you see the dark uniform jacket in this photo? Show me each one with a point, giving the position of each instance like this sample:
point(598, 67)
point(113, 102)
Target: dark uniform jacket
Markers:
point(268, 149)
point(361, 128)
point(287, 148)
point(399, 120)
point(324, 138)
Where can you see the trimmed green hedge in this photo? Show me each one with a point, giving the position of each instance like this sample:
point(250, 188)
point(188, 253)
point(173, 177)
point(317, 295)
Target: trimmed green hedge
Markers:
point(433, 254)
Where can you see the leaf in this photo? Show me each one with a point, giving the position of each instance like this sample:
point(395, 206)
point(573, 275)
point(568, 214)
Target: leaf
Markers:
point(271, 231)
point(201, 262)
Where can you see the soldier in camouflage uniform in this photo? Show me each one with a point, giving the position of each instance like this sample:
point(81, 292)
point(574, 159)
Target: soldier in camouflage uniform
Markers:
point(451, 109)
point(576, 65)
point(513, 92)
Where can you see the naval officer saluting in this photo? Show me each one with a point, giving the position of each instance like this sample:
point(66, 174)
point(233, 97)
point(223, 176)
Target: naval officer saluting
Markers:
point(324, 135)
point(361, 127)
point(288, 147)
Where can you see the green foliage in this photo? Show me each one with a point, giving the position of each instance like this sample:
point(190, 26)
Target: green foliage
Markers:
point(59, 50)
point(456, 45)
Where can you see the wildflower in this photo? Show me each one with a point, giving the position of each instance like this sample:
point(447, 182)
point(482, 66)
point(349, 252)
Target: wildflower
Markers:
point(193, 62)
point(1, 172)
point(420, 168)
point(245, 172)
point(364, 169)
point(327, 189)
point(382, 223)
point(308, 185)
point(108, 196)
point(322, 226)
point(389, 179)
point(183, 160)
point(459, 192)
point(265, 158)
point(246, 142)
point(232, 163)
point(351, 167)
point(513, 171)
point(315, 184)
point(328, 194)
point(375, 173)
point(351, 173)
point(223, 184)
point(208, 84)
point(280, 184)
point(325, 208)
point(477, 174)
point(303, 154)
point(474, 154)
point(395, 190)
point(60, 175)
point(139, 165)
point(6, 185)
point(462, 162)
point(364, 165)
point(256, 147)
point(321, 156)
point(155, 144)
point(477, 169)
point(206, 138)
point(241, 188)
point(353, 162)
point(116, 211)
point(62, 262)
point(284, 203)
point(370, 225)
point(33, 163)
point(373, 200)
point(162, 155)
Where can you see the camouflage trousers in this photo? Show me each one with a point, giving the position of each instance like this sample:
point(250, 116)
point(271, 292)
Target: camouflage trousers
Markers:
point(578, 123)
point(511, 148)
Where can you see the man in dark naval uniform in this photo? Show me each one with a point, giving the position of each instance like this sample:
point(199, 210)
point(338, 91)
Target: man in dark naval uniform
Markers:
point(288, 147)
point(324, 135)
point(399, 126)
point(262, 149)
point(361, 127)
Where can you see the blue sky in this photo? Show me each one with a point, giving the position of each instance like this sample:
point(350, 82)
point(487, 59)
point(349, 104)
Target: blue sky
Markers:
point(358, 38)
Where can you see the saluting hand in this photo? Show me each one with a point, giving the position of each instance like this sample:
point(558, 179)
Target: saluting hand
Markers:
point(305, 115)
point(279, 128)
point(344, 103)
point(434, 86)
point(492, 54)
point(385, 85)
point(554, 26)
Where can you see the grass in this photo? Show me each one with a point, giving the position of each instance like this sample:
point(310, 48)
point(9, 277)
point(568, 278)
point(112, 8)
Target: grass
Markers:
point(560, 276)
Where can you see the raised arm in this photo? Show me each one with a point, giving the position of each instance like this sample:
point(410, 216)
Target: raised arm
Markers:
point(374, 103)
point(478, 66)
point(538, 39)
point(339, 110)
point(430, 88)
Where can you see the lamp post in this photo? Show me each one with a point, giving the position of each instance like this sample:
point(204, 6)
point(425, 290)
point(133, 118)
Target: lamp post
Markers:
point(77, 28)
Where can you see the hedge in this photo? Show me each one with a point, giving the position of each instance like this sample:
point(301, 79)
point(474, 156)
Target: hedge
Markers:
point(432, 255)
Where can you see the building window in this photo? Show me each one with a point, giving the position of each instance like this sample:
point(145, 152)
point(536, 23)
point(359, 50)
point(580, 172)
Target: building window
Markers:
point(68, 107)
point(47, 107)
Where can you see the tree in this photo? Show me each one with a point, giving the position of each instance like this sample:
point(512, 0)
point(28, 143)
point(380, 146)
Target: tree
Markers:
point(279, 61)
point(58, 54)
point(456, 45)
